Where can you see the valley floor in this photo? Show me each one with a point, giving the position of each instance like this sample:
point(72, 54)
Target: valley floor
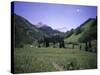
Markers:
point(52, 59)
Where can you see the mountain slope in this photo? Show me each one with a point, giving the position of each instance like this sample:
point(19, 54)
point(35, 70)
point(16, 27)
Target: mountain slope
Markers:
point(48, 30)
point(84, 27)
point(25, 32)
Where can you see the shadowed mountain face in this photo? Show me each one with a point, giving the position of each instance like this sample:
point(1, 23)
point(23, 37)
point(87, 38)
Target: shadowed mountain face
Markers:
point(26, 33)
point(48, 30)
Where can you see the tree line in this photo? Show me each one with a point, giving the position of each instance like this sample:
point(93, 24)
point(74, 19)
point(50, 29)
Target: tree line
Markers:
point(52, 39)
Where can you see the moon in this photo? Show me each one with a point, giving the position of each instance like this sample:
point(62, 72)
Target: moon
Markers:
point(78, 10)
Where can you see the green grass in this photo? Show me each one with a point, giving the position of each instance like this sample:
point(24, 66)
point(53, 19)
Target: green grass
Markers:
point(88, 25)
point(73, 38)
point(52, 59)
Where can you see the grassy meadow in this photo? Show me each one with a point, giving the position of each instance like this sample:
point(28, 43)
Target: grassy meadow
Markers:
point(29, 59)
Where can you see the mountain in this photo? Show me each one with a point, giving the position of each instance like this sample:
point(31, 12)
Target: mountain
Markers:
point(27, 33)
point(40, 24)
point(48, 30)
point(89, 26)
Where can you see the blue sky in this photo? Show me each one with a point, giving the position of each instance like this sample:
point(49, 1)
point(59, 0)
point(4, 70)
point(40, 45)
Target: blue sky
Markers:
point(62, 17)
